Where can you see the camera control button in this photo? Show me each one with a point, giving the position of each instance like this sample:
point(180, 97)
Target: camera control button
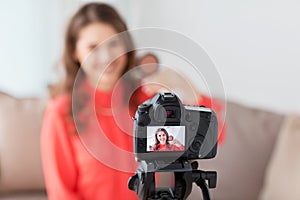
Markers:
point(188, 117)
point(195, 147)
point(144, 107)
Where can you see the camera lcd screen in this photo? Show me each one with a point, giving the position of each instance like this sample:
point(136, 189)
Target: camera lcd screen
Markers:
point(165, 138)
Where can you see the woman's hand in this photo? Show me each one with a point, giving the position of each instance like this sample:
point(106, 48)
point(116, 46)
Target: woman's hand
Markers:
point(176, 143)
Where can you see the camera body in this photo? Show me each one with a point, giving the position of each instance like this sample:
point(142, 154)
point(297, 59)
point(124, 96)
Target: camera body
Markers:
point(195, 128)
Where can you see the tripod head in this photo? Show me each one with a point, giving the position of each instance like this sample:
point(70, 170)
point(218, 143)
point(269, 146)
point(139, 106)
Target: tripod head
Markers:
point(185, 173)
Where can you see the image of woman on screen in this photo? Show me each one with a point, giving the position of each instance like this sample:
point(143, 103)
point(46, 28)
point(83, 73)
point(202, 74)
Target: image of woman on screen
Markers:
point(163, 142)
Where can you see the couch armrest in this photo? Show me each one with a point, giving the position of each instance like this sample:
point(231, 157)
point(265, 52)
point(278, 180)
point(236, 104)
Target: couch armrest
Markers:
point(20, 162)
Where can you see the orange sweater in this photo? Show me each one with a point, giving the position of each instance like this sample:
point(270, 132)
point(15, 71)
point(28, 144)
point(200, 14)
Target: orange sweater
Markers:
point(81, 167)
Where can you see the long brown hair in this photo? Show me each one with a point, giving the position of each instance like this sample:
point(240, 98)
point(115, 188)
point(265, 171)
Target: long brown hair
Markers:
point(157, 142)
point(88, 14)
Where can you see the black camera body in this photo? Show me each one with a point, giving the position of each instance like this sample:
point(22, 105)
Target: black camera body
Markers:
point(195, 127)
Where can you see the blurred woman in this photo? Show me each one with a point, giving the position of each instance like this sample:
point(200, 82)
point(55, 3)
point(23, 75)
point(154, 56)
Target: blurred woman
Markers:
point(72, 167)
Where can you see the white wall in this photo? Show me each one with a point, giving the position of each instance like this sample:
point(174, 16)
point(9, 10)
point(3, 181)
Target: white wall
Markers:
point(31, 39)
point(26, 52)
point(254, 44)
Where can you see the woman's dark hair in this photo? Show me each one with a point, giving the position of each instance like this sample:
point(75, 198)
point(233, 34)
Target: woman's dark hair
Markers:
point(86, 15)
point(157, 141)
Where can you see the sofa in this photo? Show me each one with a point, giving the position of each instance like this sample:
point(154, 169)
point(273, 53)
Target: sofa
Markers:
point(255, 162)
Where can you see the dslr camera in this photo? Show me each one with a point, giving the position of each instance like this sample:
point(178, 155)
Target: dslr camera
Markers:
point(167, 135)
point(163, 119)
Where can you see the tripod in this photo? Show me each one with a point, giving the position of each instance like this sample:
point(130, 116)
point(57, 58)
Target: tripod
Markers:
point(143, 182)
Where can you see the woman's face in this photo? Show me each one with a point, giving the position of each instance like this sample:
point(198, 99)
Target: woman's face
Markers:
point(162, 137)
point(103, 64)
